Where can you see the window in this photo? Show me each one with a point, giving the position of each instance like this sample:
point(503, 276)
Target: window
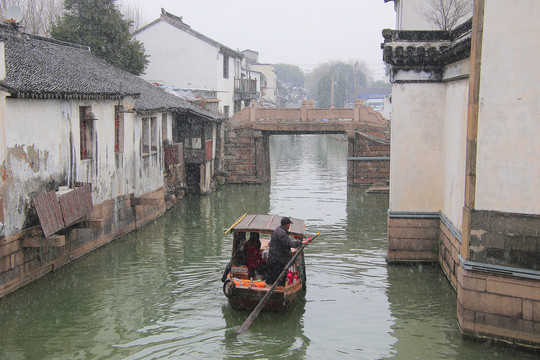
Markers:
point(86, 127)
point(225, 66)
point(165, 130)
point(226, 110)
point(154, 135)
point(145, 136)
point(118, 129)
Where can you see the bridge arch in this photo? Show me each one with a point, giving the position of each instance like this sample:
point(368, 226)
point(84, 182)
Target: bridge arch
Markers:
point(246, 157)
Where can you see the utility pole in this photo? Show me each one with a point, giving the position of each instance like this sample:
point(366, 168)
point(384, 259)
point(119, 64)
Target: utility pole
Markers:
point(332, 93)
point(354, 74)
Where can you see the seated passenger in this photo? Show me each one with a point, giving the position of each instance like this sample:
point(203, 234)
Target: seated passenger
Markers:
point(254, 261)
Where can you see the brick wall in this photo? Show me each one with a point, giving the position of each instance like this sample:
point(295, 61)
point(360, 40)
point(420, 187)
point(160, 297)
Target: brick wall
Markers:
point(174, 179)
point(369, 161)
point(246, 157)
point(107, 221)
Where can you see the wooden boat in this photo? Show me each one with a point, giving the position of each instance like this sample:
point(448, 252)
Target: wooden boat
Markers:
point(245, 288)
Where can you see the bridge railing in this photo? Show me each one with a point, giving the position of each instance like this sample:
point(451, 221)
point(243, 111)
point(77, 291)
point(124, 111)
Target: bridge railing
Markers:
point(358, 114)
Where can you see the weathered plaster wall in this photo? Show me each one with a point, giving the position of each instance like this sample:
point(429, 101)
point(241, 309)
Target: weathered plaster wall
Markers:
point(508, 170)
point(43, 153)
point(37, 154)
point(416, 170)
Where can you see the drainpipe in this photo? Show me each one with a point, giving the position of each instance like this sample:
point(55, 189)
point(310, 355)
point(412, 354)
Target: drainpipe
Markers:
point(472, 123)
point(3, 145)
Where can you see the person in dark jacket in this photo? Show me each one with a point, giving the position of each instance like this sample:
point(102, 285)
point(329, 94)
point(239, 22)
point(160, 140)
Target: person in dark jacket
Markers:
point(280, 251)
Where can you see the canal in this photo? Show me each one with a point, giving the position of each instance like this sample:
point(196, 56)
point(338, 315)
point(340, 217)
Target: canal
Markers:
point(156, 293)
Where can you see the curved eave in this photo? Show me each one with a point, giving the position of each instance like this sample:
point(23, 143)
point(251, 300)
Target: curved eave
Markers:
point(207, 115)
point(426, 50)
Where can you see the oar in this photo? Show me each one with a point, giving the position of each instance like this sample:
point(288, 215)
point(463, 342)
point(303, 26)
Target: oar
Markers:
point(245, 326)
point(236, 223)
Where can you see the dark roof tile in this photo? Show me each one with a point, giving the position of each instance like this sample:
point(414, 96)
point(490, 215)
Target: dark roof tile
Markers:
point(38, 67)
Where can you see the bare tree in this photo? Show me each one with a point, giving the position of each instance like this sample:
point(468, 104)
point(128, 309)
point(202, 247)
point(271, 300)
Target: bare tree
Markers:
point(445, 14)
point(38, 15)
point(133, 13)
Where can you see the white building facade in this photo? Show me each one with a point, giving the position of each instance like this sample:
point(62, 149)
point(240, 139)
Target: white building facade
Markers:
point(268, 78)
point(82, 153)
point(180, 57)
point(464, 162)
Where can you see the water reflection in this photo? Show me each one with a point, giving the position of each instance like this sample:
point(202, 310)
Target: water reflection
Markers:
point(156, 293)
point(309, 178)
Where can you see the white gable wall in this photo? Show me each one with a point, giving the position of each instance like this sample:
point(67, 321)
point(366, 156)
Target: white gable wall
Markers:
point(178, 58)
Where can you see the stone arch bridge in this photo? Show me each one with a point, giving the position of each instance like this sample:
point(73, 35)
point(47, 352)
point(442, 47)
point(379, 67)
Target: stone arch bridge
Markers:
point(246, 140)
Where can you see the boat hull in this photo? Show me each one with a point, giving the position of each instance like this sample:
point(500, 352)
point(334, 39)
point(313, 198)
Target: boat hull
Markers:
point(246, 297)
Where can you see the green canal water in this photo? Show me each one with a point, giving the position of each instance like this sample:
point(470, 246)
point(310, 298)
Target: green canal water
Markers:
point(156, 293)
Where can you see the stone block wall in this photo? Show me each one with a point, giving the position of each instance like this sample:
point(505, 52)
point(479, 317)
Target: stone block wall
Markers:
point(492, 301)
point(497, 306)
point(413, 239)
point(449, 245)
point(506, 239)
point(109, 220)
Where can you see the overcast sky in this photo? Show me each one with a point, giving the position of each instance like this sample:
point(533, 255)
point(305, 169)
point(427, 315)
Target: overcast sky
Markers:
point(299, 32)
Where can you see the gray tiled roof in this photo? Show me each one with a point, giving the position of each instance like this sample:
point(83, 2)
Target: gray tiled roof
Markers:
point(43, 68)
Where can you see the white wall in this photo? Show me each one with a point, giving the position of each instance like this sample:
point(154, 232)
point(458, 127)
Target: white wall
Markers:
point(226, 85)
point(43, 149)
point(416, 152)
point(454, 150)
point(271, 80)
point(408, 15)
point(178, 58)
point(508, 166)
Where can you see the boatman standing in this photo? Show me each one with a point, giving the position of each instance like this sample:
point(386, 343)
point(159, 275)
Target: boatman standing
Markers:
point(280, 251)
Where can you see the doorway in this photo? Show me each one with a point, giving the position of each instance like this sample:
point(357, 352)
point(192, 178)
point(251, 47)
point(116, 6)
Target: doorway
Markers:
point(193, 178)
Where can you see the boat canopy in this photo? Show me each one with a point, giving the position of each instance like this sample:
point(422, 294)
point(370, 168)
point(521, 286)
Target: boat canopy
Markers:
point(267, 224)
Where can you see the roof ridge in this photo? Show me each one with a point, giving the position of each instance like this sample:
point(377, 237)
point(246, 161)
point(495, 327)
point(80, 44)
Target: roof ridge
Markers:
point(9, 31)
point(177, 22)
